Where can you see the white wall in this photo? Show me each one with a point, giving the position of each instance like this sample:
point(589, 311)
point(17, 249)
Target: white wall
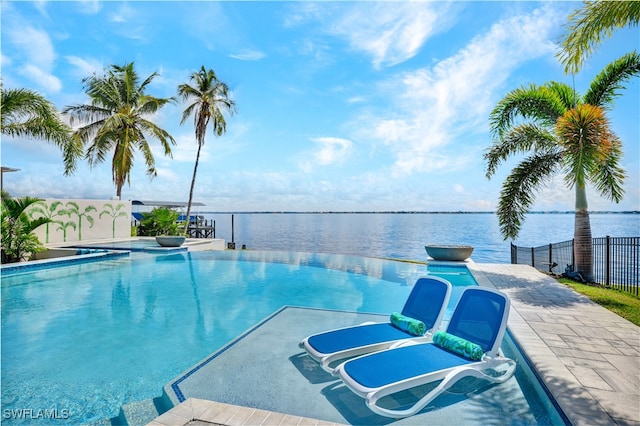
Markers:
point(82, 220)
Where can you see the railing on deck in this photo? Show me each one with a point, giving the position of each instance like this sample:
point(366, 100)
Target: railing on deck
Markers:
point(616, 260)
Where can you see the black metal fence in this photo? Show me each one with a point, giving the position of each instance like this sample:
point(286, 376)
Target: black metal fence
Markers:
point(616, 260)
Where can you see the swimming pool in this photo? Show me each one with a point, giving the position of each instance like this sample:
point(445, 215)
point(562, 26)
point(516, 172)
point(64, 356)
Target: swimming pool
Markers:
point(88, 337)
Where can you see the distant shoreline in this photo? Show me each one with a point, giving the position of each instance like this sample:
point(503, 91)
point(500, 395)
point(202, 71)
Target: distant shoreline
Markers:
point(406, 212)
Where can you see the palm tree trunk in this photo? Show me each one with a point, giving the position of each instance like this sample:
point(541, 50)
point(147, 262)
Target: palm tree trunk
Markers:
point(193, 183)
point(582, 240)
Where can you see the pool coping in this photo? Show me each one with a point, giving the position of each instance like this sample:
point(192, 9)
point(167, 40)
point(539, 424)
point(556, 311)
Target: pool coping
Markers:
point(586, 356)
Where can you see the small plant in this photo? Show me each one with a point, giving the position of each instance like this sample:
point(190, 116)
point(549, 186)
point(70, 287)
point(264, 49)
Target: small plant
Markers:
point(18, 240)
point(160, 221)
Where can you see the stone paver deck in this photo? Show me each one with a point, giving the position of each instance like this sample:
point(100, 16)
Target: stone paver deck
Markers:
point(587, 356)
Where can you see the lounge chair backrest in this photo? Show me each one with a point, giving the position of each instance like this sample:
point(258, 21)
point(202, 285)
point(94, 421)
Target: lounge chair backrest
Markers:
point(425, 303)
point(481, 317)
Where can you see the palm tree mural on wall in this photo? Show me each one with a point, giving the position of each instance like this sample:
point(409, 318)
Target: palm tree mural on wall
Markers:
point(49, 211)
point(114, 213)
point(73, 208)
point(562, 133)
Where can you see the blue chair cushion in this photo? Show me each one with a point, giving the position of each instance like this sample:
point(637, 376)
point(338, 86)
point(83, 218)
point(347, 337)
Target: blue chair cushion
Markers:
point(364, 335)
point(381, 368)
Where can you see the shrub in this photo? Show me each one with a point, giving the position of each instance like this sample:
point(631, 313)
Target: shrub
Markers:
point(160, 221)
point(18, 240)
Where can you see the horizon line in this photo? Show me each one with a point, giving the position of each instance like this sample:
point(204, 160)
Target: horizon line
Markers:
point(409, 212)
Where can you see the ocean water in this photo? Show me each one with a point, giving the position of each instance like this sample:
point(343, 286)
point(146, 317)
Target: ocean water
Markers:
point(404, 235)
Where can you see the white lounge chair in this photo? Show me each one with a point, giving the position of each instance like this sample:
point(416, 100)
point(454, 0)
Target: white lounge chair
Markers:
point(477, 327)
point(427, 303)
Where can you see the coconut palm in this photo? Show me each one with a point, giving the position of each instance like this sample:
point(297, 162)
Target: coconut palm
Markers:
point(562, 133)
point(587, 27)
point(26, 113)
point(208, 99)
point(116, 120)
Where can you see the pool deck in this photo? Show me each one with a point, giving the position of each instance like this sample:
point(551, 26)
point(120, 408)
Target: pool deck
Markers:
point(587, 356)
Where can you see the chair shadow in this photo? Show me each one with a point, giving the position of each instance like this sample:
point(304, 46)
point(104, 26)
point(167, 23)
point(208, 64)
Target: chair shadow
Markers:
point(310, 369)
point(354, 409)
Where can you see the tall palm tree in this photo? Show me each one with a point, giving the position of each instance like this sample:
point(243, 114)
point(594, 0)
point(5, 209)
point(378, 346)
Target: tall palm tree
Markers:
point(587, 27)
point(116, 120)
point(208, 99)
point(562, 133)
point(26, 113)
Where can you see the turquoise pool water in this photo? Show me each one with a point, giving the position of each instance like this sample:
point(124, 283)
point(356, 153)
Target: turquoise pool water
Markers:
point(84, 339)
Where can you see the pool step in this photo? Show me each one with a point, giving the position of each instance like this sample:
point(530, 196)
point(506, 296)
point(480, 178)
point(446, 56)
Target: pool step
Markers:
point(137, 413)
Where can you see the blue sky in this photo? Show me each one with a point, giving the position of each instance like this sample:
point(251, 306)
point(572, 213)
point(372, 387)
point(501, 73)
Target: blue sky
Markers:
point(340, 105)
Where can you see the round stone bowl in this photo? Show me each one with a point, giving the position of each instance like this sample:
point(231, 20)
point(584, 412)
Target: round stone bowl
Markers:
point(170, 240)
point(449, 252)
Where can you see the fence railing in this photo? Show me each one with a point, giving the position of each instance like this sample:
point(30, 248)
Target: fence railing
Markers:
point(616, 260)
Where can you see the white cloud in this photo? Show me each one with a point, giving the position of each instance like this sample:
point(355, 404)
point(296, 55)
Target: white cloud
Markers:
point(85, 67)
point(248, 55)
point(390, 32)
point(434, 106)
point(34, 44)
point(329, 151)
point(90, 7)
point(37, 56)
point(119, 17)
point(45, 80)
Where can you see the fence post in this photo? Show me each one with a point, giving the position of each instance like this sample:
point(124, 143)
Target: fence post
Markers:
point(607, 261)
point(550, 256)
point(514, 254)
point(573, 254)
point(533, 260)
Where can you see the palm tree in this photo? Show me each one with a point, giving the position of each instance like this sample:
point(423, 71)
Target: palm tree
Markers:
point(562, 133)
point(208, 98)
point(26, 113)
point(590, 24)
point(116, 121)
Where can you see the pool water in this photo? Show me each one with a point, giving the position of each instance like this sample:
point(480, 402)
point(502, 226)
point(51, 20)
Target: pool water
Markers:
point(87, 338)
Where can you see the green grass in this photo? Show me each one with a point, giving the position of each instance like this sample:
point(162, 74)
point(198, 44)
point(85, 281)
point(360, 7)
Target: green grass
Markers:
point(625, 304)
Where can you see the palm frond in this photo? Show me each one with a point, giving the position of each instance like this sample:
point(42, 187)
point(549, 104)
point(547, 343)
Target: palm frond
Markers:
point(520, 139)
point(26, 113)
point(609, 82)
point(590, 25)
point(519, 189)
point(538, 104)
